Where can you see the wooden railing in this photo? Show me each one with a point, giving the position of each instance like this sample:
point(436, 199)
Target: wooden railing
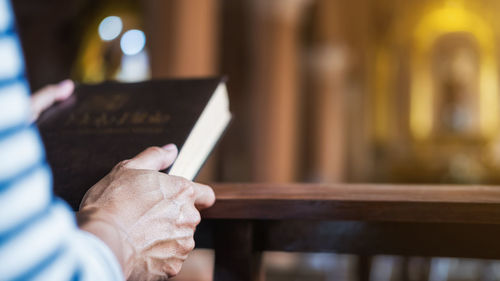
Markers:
point(362, 219)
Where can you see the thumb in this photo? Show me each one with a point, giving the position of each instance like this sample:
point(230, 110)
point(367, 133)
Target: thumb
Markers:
point(154, 158)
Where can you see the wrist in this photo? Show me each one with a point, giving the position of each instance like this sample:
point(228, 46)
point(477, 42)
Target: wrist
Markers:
point(108, 232)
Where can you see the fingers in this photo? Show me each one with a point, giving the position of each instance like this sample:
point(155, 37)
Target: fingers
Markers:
point(154, 158)
point(204, 196)
point(47, 96)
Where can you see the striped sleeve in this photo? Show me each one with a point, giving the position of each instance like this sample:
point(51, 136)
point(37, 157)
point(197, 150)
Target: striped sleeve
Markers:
point(39, 239)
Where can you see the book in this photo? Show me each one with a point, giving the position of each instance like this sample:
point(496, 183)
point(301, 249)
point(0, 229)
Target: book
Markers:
point(103, 124)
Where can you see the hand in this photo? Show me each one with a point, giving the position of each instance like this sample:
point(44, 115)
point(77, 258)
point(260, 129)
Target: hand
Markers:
point(147, 218)
point(48, 95)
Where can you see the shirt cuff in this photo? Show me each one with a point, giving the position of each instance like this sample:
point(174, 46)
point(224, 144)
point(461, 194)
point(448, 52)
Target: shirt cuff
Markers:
point(98, 261)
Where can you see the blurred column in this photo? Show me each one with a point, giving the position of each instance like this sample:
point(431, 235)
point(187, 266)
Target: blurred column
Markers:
point(327, 66)
point(274, 33)
point(326, 149)
point(182, 41)
point(182, 37)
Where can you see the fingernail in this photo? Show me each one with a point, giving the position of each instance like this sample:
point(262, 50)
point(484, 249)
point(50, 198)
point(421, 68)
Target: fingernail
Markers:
point(170, 147)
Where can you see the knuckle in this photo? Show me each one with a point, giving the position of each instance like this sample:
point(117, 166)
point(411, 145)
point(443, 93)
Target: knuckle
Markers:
point(172, 268)
point(176, 268)
point(185, 185)
point(190, 244)
point(171, 271)
point(123, 164)
point(155, 149)
point(196, 217)
point(182, 182)
point(175, 181)
point(189, 190)
point(191, 218)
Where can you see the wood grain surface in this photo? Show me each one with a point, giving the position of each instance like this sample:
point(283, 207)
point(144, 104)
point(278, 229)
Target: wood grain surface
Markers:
point(358, 202)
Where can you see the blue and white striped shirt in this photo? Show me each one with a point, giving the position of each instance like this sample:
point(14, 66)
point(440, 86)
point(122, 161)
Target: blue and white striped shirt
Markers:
point(39, 239)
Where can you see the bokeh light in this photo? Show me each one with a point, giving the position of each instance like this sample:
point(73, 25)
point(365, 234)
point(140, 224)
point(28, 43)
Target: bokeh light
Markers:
point(110, 27)
point(133, 42)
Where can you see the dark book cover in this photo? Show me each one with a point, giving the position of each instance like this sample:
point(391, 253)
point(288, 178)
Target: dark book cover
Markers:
point(103, 124)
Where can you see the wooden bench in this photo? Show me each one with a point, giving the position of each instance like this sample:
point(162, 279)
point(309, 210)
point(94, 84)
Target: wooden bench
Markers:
point(361, 219)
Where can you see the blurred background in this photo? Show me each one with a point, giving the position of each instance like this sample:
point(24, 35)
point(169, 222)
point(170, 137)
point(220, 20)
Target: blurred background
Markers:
point(321, 91)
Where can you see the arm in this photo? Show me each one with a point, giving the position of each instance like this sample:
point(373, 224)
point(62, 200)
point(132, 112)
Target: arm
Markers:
point(38, 233)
